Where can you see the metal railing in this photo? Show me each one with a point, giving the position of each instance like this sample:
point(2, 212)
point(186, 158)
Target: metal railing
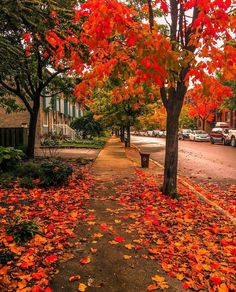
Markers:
point(65, 130)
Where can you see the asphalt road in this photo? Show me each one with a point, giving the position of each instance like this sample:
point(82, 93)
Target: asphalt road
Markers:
point(200, 161)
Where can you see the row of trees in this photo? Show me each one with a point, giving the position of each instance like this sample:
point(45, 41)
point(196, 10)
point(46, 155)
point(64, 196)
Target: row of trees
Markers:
point(123, 57)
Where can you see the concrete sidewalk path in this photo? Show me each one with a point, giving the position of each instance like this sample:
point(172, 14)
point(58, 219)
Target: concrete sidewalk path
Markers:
point(109, 270)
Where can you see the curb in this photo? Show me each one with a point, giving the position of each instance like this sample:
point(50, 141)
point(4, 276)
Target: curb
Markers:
point(200, 195)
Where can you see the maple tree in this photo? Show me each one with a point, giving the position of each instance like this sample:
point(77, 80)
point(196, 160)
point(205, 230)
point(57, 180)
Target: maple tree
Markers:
point(28, 52)
point(119, 43)
point(205, 98)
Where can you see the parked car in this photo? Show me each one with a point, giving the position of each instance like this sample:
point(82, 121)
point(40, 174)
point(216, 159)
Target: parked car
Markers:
point(199, 135)
point(184, 134)
point(156, 133)
point(231, 137)
point(219, 135)
point(150, 133)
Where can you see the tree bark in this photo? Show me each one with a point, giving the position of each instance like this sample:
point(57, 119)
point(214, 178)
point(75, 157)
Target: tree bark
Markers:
point(33, 128)
point(122, 134)
point(173, 106)
point(171, 154)
point(128, 136)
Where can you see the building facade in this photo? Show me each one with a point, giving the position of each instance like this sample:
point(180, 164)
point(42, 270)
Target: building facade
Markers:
point(55, 115)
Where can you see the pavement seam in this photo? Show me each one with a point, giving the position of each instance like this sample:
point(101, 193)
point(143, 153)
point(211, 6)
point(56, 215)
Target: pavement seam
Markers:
point(200, 195)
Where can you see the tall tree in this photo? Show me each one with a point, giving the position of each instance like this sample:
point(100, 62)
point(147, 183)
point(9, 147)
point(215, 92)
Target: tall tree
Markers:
point(206, 97)
point(168, 59)
point(30, 58)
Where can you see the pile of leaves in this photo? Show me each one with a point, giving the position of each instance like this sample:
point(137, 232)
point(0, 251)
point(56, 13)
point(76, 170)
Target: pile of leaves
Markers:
point(36, 231)
point(191, 240)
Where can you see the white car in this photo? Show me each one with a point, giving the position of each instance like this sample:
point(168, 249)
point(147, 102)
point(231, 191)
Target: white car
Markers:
point(199, 135)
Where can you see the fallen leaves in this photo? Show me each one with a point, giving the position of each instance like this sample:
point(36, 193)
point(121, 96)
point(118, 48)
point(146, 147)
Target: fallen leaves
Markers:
point(191, 239)
point(57, 211)
point(119, 239)
point(127, 257)
point(85, 261)
point(82, 287)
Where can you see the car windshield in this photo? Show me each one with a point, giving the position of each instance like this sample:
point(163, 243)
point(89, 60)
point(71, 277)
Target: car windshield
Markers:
point(200, 132)
point(187, 131)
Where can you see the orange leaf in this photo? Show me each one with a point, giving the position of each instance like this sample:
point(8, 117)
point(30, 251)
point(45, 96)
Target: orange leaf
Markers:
point(82, 287)
point(152, 287)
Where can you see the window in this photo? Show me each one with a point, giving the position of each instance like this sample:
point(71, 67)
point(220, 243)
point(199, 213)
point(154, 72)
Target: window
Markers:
point(227, 116)
point(45, 119)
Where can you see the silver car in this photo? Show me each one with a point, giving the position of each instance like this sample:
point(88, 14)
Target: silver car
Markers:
point(199, 135)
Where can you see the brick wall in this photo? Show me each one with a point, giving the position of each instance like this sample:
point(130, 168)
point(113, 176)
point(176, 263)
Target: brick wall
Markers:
point(13, 120)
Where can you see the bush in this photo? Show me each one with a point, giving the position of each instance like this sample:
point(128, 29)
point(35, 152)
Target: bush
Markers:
point(55, 173)
point(28, 169)
point(9, 157)
point(6, 180)
point(27, 183)
point(22, 230)
point(5, 257)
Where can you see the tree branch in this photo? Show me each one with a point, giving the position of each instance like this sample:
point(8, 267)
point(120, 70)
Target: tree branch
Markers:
point(164, 96)
point(45, 84)
point(150, 15)
point(17, 93)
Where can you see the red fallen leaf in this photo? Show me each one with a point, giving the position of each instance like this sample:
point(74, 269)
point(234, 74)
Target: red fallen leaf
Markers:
point(74, 278)
point(51, 259)
point(186, 285)
point(233, 251)
point(138, 247)
point(216, 280)
point(119, 239)
point(9, 238)
point(50, 227)
point(103, 226)
point(48, 289)
point(26, 265)
point(36, 288)
point(85, 261)
point(38, 276)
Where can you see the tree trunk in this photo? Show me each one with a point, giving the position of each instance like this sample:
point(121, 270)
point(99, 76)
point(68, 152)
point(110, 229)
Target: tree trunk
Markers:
point(203, 124)
point(171, 154)
point(33, 128)
point(128, 135)
point(173, 107)
point(122, 134)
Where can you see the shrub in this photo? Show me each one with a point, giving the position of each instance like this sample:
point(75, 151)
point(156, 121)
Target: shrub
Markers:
point(6, 180)
point(9, 157)
point(55, 173)
point(28, 169)
point(22, 230)
point(5, 257)
point(27, 183)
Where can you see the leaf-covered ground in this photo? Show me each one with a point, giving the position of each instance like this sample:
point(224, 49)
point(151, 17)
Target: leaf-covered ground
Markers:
point(224, 197)
point(193, 242)
point(28, 267)
point(129, 236)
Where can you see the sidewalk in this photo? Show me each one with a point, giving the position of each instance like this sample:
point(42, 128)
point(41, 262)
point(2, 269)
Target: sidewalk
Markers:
point(113, 267)
point(135, 239)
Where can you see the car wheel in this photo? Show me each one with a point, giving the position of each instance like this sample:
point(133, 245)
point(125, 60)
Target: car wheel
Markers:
point(212, 141)
point(233, 142)
point(224, 142)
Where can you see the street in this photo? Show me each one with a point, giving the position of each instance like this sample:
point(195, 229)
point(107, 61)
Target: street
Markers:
point(199, 161)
